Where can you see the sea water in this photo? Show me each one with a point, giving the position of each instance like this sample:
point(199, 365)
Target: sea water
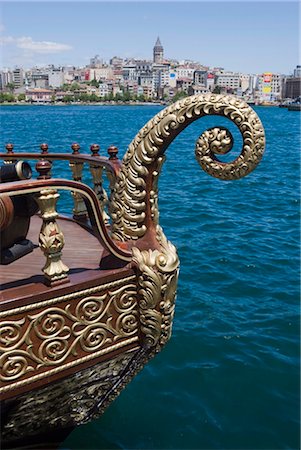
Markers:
point(229, 377)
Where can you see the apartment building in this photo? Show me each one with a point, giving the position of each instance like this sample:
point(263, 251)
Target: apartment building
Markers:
point(292, 87)
point(18, 77)
point(228, 80)
point(55, 78)
point(5, 78)
point(269, 87)
point(185, 72)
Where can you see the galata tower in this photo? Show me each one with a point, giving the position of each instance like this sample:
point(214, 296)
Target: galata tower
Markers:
point(158, 52)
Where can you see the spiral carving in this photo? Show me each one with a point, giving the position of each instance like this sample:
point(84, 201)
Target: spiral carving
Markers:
point(134, 202)
point(60, 334)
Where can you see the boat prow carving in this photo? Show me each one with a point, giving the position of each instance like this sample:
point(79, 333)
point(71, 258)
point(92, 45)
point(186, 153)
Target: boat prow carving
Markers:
point(134, 205)
point(81, 318)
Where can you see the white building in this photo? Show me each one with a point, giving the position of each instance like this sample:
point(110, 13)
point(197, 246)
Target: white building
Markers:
point(6, 77)
point(210, 82)
point(228, 80)
point(185, 72)
point(270, 86)
point(129, 72)
point(104, 89)
point(101, 73)
point(55, 78)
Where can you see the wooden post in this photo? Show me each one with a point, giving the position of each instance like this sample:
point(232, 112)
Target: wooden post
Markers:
point(112, 152)
point(10, 151)
point(96, 172)
point(79, 210)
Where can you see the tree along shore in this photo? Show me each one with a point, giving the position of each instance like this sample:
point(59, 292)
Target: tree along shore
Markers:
point(74, 97)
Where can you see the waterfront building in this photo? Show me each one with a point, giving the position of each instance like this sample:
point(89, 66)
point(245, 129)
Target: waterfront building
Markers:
point(297, 72)
point(74, 74)
point(143, 66)
point(185, 71)
point(116, 62)
point(68, 76)
point(168, 92)
point(245, 82)
point(39, 79)
point(39, 95)
point(102, 73)
point(158, 52)
point(197, 89)
point(228, 80)
point(143, 73)
point(270, 87)
point(95, 62)
point(200, 77)
point(129, 72)
point(115, 89)
point(18, 77)
point(118, 76)
point(210, 82)
point(55, 77)
point(59, 95)
point(292, 87)
point(5, 78)
point(131, 86)
point(167, 78)
point(205, 79)
point(292, 84)
point(158, 76)
point(145, 79)
point(184, 84)
point(148, 92)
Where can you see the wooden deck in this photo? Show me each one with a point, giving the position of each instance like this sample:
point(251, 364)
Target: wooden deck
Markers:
point(82, 253)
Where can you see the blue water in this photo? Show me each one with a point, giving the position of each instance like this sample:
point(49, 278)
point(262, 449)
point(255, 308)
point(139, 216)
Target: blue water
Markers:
point(229, 377)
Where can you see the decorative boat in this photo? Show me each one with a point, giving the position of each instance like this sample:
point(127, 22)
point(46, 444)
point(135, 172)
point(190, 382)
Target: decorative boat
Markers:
point(88, 299)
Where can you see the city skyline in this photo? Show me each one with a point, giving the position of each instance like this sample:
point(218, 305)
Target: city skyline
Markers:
point(248, 37)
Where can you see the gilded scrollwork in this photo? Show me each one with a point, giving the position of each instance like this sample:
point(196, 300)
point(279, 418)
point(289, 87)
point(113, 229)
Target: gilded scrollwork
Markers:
point(78, 398)
point(60, 333)
point(131, 195)
point(157, 280)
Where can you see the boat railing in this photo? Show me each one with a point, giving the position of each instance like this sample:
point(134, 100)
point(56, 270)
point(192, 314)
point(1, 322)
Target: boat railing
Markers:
point(44, 191)
point(98, 166)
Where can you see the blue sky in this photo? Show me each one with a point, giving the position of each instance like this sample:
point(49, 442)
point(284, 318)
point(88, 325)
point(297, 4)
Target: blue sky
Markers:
point(245, 36)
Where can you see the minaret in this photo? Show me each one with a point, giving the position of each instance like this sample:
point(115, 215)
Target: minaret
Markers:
point(158, 52)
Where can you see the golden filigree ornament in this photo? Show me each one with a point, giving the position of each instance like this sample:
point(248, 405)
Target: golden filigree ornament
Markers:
point(157, 280)
point(51, 239)
point(134, 188)
point(62, 335)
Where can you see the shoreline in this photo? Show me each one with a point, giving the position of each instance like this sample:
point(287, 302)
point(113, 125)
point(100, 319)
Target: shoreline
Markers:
point(86, 104)
point(109, 103)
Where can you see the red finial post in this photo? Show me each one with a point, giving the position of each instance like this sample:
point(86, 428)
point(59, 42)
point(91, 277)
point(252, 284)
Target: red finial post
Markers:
point(44, 148)
point(95, 149)
point(113, 151)
point(10, 149)
point(75, 147)
point(43, 167)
